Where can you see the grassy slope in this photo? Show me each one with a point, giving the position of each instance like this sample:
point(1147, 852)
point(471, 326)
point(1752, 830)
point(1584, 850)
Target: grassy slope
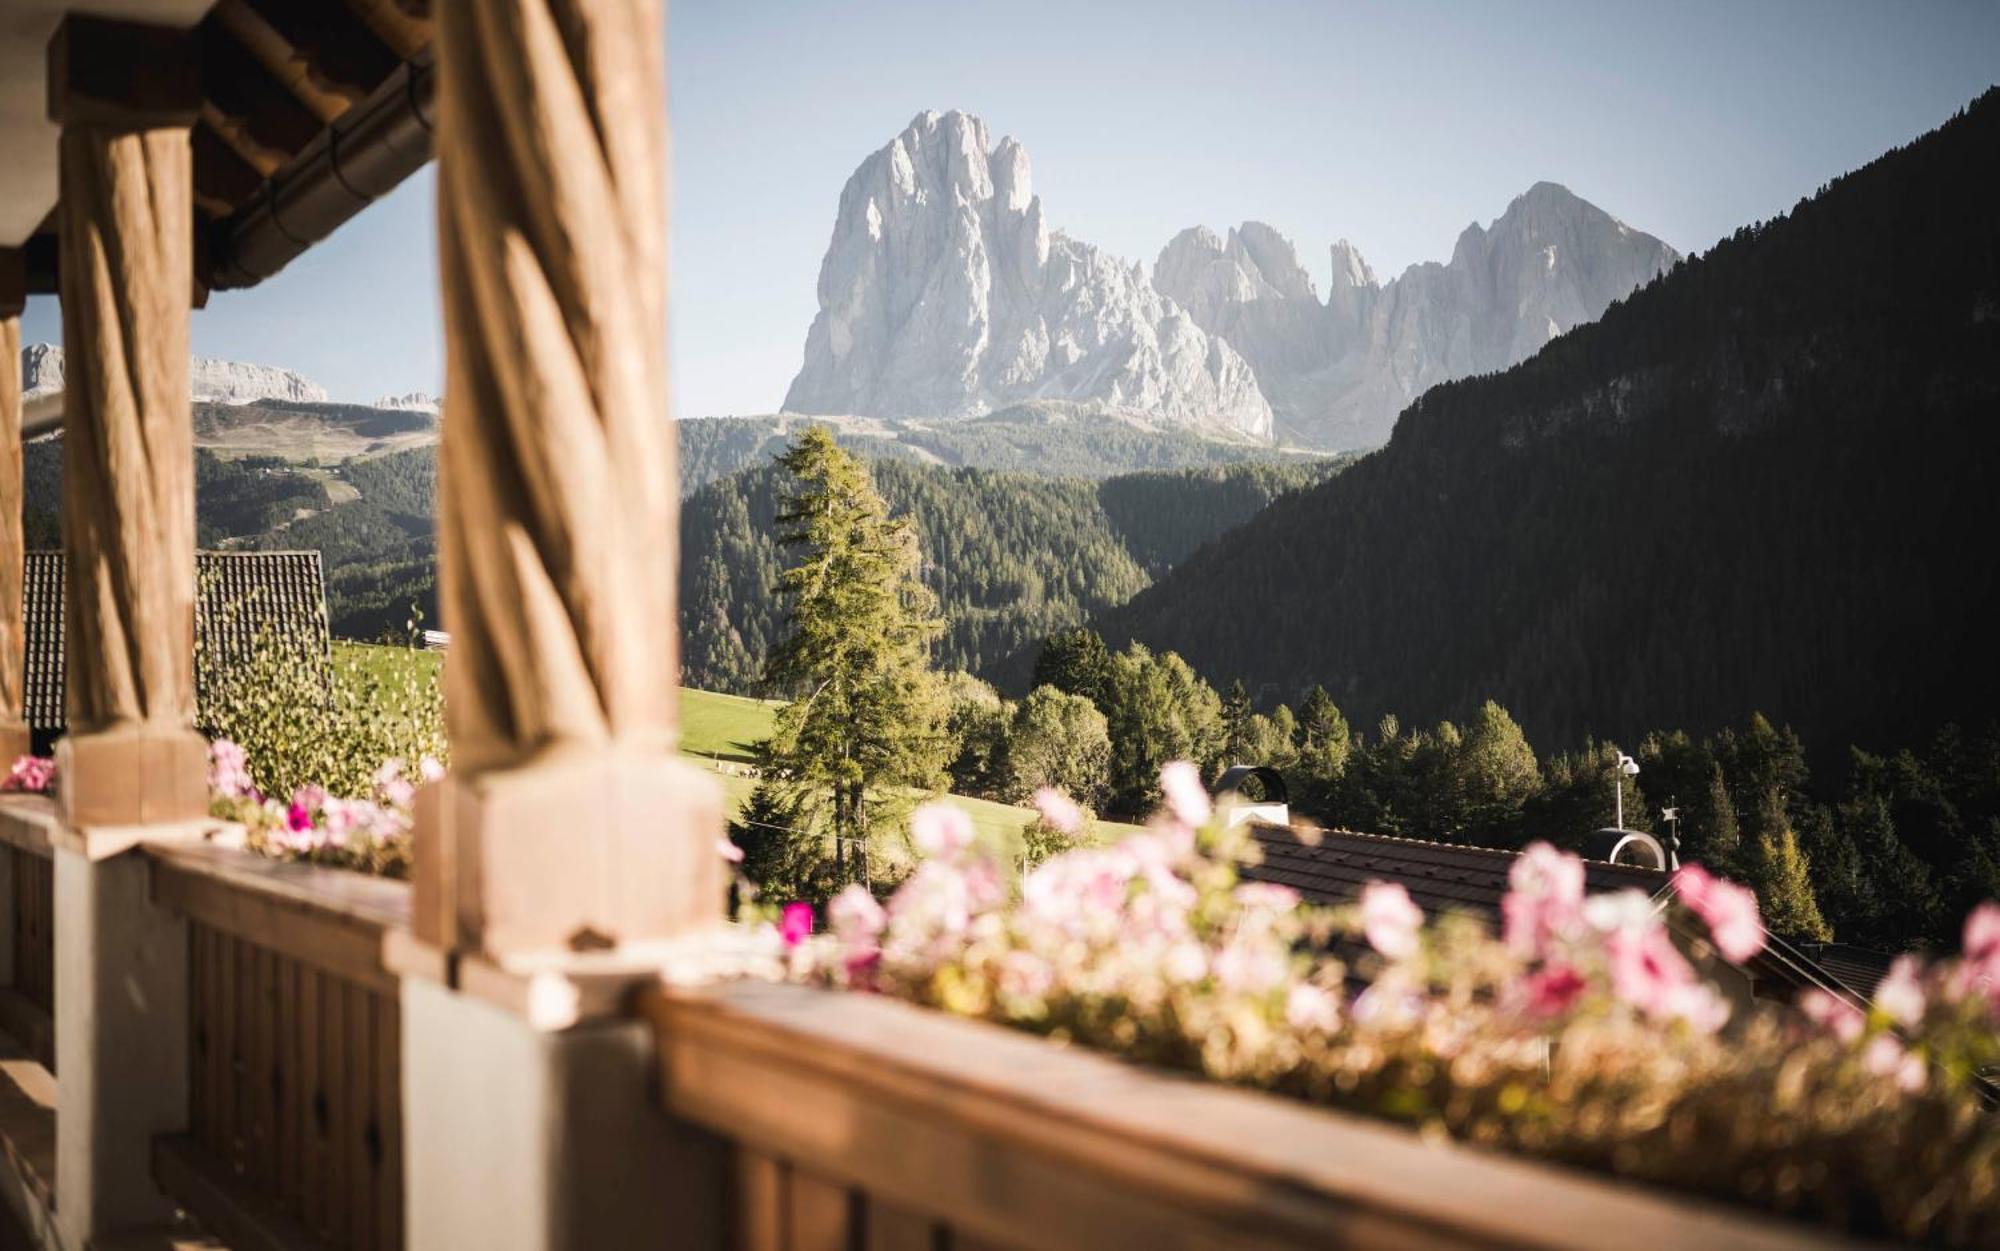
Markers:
point(722, 731)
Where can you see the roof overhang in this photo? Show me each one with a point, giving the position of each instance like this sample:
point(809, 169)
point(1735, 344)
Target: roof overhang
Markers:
point(310, 110)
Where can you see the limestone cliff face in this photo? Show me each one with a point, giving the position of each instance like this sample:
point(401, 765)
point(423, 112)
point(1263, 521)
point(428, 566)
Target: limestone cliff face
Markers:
point(945, 293)
point(1338, 371)
point(209, 381)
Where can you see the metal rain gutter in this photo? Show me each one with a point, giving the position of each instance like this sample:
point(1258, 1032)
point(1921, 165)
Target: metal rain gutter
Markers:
point(355, 161)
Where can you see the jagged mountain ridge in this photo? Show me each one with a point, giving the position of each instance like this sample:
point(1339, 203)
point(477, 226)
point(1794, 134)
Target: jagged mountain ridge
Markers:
point(209, 381)
point(1749, 486)
point(944, 293)
point(1339, 371)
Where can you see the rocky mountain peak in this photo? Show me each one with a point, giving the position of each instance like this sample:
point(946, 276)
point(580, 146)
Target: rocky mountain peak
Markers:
point(944, 293)
point(209, 381)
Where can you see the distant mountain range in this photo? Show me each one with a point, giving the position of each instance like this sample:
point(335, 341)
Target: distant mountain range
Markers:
point(1759, 483)
point(945, 294)
point(209, 381)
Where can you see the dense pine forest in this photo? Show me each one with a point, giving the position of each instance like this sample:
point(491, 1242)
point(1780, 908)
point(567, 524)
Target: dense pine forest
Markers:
point(1764, 481)
point(1009, 556)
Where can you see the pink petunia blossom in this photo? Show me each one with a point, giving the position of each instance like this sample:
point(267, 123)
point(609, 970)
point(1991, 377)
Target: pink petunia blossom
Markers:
point(1979, 963)
point(1832, 1014)
point(32, 774)
point(429, 768)
point(1647, 972)
point(795, 923)
point(298, 818)
point(1187, 798)
point(229, 770)
point(940, 829)
point(1551, 990)
point(1901, 994)
point(1390, 919)
point(1729, 911)
point(1544, 902)
point(1058, 811)
point(1308, 1007)
point(728, 851)
point(854, 916)
point(390, 784)
point(1885, 1056)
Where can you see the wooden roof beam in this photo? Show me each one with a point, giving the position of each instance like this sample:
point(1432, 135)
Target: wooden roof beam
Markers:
point(337, 50)
point(283, 61)
point(249, 107)
point(403, 25)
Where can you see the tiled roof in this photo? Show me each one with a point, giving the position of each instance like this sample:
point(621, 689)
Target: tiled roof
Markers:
point(1448, 877)
point(240, 597)
point(1440, 877)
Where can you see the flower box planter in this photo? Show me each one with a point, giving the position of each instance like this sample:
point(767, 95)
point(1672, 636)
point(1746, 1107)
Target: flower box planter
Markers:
point(858, 1121)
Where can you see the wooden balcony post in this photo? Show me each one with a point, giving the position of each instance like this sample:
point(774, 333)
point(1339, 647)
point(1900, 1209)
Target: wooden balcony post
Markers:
point(125, 96)
point(14, 738)
point(568, 843)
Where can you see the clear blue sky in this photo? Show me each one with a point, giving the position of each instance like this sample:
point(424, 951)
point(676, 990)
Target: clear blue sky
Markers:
point(1393, 125)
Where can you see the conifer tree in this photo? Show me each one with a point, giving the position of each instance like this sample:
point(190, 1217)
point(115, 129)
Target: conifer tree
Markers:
point(1236, 712)
point(1076, 662)
point(865, 726)
point(1324, 739)
point(1784, 889)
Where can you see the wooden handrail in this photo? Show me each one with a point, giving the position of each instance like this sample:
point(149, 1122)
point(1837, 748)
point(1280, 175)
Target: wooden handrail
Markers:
point(295, 1105)
point(1001, 1136)
point(333, 919)
point(28, 822)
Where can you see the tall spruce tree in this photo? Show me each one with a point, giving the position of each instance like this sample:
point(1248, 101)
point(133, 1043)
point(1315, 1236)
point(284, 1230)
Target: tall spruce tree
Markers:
point(865, 727)
point(1785, 891)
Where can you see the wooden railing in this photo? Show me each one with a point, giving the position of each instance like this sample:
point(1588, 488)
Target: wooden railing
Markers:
point(28, 999)
point(854, 1122)
point(295, 1052)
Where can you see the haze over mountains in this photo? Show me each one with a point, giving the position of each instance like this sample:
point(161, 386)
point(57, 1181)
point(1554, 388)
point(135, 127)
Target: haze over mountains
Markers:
point(945, 294)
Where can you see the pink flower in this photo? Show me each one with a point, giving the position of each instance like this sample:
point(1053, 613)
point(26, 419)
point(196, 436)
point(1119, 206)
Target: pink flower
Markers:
point(1901, 994)
point(429, 769)
point(1390, 920)
point(854, 916)
point(1187, 798)
point(1308, 1007)
point(1729, 910)
point(1647, 972)
point(392, 786)
point(1551, 991)
point(1832, 1014)
point(1982, 935)
point(1545, 899)
point(728, 851)
point(229, 770)
point(940, 829)
point(795, 924)
point(31, 774)
point(298, 818)
point(1059, 812)
point(1885, 1056)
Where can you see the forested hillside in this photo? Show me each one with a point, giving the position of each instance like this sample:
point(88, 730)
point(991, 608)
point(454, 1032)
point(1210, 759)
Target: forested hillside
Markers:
point(1048, 438)
point(1765, 481)
point(1011, 556)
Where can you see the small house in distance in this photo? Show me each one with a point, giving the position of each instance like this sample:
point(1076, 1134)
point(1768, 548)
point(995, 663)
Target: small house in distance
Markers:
point(241, 598)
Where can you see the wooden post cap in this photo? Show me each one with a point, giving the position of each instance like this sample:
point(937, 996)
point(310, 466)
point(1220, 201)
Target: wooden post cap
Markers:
point(104, 72)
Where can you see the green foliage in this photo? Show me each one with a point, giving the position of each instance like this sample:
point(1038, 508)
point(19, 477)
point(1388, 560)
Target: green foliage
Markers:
point(866, 719)
point(1012, 558)
point(1784, 889)
point(1076, 661)
point(1060, 740)
point(1160, 711)
point(976, 726)
point(299, 726)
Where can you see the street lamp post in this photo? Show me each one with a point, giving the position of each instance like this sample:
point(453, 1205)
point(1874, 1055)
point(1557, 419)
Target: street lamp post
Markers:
point(1627, 768)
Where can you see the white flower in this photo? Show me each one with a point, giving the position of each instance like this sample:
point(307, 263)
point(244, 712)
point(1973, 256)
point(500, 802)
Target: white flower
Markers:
point(1187, 798)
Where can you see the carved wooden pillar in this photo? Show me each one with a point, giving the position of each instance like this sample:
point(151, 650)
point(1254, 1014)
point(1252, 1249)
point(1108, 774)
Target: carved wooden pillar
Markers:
point(568, 823)
point(13, 556)
point(126, 96)
point(568, 841)
point(132, 767)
